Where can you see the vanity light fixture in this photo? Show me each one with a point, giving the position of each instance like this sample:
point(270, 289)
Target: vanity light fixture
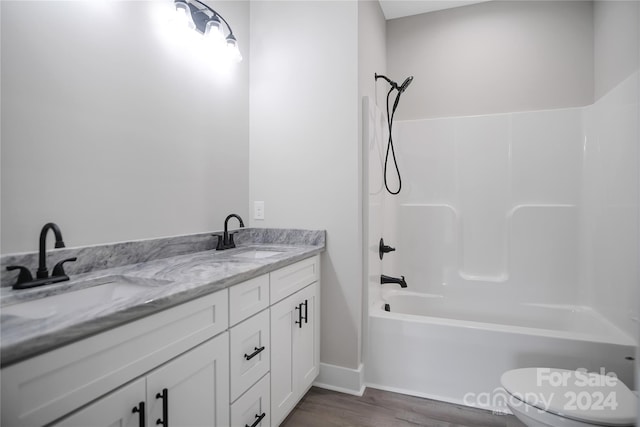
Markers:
point(199, 17)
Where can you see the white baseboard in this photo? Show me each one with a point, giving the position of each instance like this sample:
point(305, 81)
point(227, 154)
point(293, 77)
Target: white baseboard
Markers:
point(501, 410)
point(343, 380)
point(415, 393)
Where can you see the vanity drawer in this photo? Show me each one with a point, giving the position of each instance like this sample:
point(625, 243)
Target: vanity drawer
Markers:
point(249, 350)
point(248, 298)
point(292, 278)
point(46, 387)
point(252, 405)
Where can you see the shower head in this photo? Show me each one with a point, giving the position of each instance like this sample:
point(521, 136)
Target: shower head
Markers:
point(405, 84)
point(400, 88)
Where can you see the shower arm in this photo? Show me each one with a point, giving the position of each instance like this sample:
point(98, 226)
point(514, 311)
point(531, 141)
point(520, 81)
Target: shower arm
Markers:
point(393, 84)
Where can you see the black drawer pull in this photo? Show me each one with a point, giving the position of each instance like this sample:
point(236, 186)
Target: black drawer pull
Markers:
point(256, 422)
point(306, 313)
point(254, 354)
point(140, 411)
point(299, 321)
point(164, 421)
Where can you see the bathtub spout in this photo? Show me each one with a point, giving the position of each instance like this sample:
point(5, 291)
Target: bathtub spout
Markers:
point(388, 279)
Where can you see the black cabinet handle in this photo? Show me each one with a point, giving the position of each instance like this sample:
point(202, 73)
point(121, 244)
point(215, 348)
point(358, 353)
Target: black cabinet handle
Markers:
point(299, 321)
point(306, 313)
point(140, 411)
point(254, 354)
point(164, 421)
point(257, 421)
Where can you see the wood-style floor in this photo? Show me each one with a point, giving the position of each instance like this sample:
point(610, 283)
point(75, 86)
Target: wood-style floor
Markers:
point(377, 408)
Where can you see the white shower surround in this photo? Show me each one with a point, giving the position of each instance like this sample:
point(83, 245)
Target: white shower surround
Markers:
point(506, 211)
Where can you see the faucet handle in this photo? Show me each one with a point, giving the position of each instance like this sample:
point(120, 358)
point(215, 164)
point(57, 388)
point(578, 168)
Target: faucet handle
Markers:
point(58, 270)
point(220, 244)
point(232, 244)
point(24, 276)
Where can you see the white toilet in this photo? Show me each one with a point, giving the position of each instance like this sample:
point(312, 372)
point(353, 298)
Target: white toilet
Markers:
point(545, 397)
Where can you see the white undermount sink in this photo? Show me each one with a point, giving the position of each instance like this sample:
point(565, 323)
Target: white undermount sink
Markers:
point(112, 289)
point(257, 254)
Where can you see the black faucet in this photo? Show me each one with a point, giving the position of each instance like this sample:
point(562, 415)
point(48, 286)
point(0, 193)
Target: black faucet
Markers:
point(42, 272)
point(25, 279)
point(225, 241)
point(388, 279)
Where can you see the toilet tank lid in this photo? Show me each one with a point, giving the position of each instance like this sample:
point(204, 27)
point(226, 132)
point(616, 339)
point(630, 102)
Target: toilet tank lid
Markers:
point(582, 396)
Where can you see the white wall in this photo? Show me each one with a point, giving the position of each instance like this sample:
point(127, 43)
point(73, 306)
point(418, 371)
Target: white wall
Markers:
point(114, 128)
point(493, 57)
point(304, 147)
point(372, 52)
point(616, 33)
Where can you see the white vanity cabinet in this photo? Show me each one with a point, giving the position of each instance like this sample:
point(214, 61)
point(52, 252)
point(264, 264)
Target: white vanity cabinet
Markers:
point(156, 349)
point(250, 350)
point(275, 342)
point(124, 407)
point(295, 338)
point(192, 390)
point(250, 353)
point(253, 407)
point(242, 356)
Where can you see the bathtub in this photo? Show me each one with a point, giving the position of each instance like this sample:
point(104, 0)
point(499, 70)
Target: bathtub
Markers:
point(456, 350)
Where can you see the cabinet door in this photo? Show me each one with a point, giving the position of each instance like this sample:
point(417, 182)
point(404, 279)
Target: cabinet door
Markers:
point(283, 388)
point(295, 349)
point(193, 388)
point(112, 410)
point(306, 360)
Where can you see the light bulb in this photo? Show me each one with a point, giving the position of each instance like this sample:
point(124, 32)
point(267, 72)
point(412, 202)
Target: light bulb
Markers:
point(232, 48)
point(183, 15)
point(213, 30)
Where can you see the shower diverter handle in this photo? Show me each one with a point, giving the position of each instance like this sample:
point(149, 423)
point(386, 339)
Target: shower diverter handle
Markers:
point(383, 249)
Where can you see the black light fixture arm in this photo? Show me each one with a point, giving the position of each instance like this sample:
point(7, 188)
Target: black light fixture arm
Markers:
point(215, 14)
point(218, 15)
point(198, 16)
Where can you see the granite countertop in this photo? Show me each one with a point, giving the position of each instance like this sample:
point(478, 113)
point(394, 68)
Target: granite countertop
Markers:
point(170, 281)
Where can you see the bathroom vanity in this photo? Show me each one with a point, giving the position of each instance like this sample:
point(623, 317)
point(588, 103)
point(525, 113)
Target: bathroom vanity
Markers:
point(208, 338)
